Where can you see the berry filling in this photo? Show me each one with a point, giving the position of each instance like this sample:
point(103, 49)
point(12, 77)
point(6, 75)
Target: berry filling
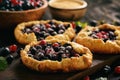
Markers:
point(43, 30)
point(52, 51)
point(19, 5)
point(103, 34)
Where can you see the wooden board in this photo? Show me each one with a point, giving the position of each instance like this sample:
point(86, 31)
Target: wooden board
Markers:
point(17, 71)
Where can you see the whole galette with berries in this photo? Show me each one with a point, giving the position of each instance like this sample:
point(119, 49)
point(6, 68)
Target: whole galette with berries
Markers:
point(103, 38)
point(56, 56)
point(27, 32)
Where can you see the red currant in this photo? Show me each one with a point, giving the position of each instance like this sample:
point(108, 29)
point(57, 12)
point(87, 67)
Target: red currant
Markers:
point(42, 42)
point(73, 24)
point(117, 70)
point(47, 25)
point(0, 1)
point(13, 48)
point(14, 2)
point(86, 78)
point(55, 45)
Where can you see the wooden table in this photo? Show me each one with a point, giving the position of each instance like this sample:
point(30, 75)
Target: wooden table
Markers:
point(107, 10)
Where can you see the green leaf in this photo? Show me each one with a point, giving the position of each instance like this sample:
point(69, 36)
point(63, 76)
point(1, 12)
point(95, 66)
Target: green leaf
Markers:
point(82, 24)
point(3, 63)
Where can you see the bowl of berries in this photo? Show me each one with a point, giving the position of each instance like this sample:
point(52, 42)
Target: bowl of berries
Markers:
point(68, 10)
point(13, 12)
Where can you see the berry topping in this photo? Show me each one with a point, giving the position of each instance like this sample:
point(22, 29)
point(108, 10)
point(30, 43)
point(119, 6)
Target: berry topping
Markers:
point(52, 51)
point(103, 34)
point(19, 5)
point(44, 30)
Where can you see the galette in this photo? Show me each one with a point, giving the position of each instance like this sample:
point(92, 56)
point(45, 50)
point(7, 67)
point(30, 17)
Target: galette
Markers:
point(27, 32)
point(56, 56)
point(104, 39)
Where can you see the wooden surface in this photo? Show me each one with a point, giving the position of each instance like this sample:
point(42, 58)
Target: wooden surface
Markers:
point(107, 10)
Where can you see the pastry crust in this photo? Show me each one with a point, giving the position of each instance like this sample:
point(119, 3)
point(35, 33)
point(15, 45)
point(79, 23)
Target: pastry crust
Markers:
point(65, 65)
point(25, 38)
point(98, 45)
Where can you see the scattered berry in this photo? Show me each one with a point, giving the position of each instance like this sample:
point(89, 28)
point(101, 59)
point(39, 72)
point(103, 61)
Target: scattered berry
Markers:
point(106, 70)
point(73, 24)
point(9, 59)
point(101, 78)
point(93, 23)
point(86, 78)
point(13, 48)
point(4, 51)
point(117, 70)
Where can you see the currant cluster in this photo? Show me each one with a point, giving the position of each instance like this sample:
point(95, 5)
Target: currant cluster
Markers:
point(44, 30)
point(19, 5)
point(55, 51)
point(9, 53)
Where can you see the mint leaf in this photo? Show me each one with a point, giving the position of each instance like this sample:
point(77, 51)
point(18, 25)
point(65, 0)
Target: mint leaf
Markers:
point(3, 63)
point(82, 24)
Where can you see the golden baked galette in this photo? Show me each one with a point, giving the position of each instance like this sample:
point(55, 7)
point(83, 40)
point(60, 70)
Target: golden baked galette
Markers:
point(56, 56)
point(104, 39)
point(45, 29)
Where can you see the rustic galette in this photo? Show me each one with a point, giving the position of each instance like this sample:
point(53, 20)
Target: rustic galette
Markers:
point(45, 29)
point(56, 56)
point(104, 38)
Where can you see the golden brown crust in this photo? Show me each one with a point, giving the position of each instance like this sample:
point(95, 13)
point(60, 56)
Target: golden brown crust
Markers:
point(98, 45)
point(25, 38)
point(66, 65)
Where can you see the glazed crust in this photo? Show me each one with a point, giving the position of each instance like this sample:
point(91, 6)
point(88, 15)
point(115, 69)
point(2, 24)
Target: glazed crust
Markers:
point(65, 65)
point(98, 45)
point(25, 38)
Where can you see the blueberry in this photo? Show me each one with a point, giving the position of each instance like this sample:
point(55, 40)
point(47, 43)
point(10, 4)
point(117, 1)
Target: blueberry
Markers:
point(33, 50)
point(50, 30)
point(117, 23)
point(93, 23)
point(30, 55)
point(54, 33)
point(78, 28)
point(51, 22)
point(69, 48)
point(53, 27)
point(9, 59)
point(61, 52)
point(61, 31)
point(4, 51)
point(106, 70)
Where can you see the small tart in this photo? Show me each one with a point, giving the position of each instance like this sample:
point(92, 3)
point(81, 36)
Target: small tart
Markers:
point(27, 32)
point(104, 39)
point(78, 58)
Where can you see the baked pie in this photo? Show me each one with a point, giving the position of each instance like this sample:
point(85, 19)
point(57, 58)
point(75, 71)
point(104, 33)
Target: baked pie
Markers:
point(56, 56)
point(103, 38)
point(27, 32)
